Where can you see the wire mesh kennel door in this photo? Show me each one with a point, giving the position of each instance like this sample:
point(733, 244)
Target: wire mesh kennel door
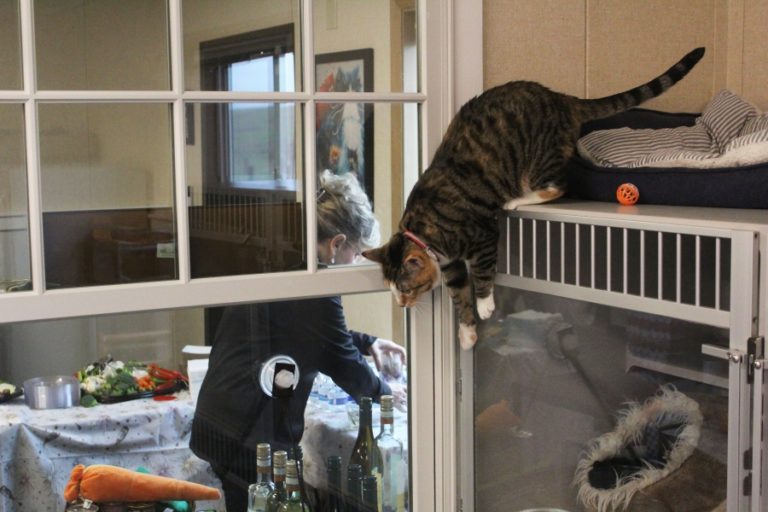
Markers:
point(602, 317)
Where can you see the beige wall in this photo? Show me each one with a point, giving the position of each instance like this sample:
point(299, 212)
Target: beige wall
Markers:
point(592, 48)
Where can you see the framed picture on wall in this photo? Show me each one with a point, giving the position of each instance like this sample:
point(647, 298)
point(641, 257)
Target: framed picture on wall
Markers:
point(345, 130)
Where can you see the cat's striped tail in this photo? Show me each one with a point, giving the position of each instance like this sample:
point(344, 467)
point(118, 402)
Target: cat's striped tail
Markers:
point(604, 107)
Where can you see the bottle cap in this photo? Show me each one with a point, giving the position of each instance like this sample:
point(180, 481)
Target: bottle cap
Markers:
point(369, 482)
point(387, 402)
point(334, 462)
point(365, 403)
point(263, 451)
point(354, 471)
point(291, 471)
point(280, 457)
point(296, 453)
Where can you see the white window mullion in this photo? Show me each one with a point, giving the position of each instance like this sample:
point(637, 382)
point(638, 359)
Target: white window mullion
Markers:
point(181, 210)
point(106, 96)
point(310, 154)
point(378, 97)
point(34, 194)
point(237, 96)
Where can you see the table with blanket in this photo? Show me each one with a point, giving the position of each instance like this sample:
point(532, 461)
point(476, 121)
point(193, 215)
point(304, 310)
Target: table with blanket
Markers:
point(39, 448)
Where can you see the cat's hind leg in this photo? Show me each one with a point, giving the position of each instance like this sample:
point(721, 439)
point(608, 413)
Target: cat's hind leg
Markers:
point(534, 197)
point(458, 284)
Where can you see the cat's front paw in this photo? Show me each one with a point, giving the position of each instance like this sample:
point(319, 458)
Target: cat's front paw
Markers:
point(467, 336)
point(485, 307)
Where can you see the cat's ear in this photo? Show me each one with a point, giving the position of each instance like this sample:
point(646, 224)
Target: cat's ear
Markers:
point(376, 255)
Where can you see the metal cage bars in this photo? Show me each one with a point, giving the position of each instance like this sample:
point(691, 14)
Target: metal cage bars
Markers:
point(678, 266)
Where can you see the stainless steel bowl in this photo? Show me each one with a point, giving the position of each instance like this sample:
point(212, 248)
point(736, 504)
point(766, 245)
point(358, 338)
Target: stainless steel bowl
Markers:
point(56, 392)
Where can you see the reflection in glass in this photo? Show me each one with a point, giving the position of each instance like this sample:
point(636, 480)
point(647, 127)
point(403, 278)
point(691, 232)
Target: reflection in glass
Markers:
point(345, 140)
point(378, 144)
point(371, 45)
point(241, 45)
point(246, 215)
point(15, 272)
point(326, 348)
point(81, 46)
point(10, 45)
point(107, 193)
point(153, 337)
point(554, 374)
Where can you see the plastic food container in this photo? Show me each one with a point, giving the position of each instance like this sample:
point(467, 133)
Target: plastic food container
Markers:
point(55, 392)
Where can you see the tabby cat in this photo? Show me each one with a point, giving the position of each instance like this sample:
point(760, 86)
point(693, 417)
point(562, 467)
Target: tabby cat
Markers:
point(505, 148)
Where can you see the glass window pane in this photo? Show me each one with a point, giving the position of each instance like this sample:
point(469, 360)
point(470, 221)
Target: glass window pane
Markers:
point(150, 337)
point(10, 45)
point(554, 375)
point(237, 45)
point(333, 364)
point(15, 270)
point(331, 375)
point(365, 45)
point(378, 144)
point(102, 44)
point(244, 180)
point(107, 192)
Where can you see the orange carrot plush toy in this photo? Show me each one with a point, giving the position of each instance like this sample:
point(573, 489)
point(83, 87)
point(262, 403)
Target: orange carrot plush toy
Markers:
point(110, 483)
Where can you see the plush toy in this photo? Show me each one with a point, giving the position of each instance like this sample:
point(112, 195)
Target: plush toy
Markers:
point(652, 462)
point(102, 483)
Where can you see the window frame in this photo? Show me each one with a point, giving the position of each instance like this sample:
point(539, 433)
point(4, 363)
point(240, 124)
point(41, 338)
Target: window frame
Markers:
point(39, 303)
point(432, 350)
point(217, 56)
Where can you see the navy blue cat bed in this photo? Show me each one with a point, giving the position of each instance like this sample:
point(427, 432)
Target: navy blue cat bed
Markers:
point(728, 187)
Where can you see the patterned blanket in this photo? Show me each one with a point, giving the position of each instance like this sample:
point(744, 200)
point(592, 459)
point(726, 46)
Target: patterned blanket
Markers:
point(730, 132)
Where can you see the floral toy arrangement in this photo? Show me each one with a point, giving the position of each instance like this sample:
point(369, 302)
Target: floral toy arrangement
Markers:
point(110, 381)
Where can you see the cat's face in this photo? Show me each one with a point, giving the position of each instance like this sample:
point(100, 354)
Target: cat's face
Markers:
point(407, 269)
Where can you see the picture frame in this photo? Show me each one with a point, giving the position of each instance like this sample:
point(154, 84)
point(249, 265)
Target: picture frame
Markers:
point(344, 131)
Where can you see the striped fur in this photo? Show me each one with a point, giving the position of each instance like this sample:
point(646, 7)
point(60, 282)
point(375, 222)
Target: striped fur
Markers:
point(504, 148)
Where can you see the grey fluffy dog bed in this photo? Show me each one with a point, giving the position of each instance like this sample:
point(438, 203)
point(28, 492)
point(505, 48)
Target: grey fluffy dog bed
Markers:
point(650, 461)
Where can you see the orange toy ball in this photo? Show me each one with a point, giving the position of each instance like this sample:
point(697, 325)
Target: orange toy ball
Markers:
point(627, 194)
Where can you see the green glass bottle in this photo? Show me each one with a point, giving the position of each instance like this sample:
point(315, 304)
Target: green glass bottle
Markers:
point(370, 494)
point(353, 499)
point(259, 491)
point(365, 452)
point(334, 484)
point(279, 495)
point(294, 502)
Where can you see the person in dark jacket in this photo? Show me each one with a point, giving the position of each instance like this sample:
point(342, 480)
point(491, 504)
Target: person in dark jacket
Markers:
point(233, 413)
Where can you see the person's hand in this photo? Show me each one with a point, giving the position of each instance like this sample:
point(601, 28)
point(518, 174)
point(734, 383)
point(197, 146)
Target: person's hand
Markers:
point(383, 351)
point(400, 395)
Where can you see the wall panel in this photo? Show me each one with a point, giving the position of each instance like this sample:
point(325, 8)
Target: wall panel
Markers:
point(755, 57)
point(541, 41)
point(592, 48)
point(632, 41)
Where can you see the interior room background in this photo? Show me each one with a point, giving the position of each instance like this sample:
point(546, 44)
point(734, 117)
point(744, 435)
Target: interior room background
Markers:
point(587, 48)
